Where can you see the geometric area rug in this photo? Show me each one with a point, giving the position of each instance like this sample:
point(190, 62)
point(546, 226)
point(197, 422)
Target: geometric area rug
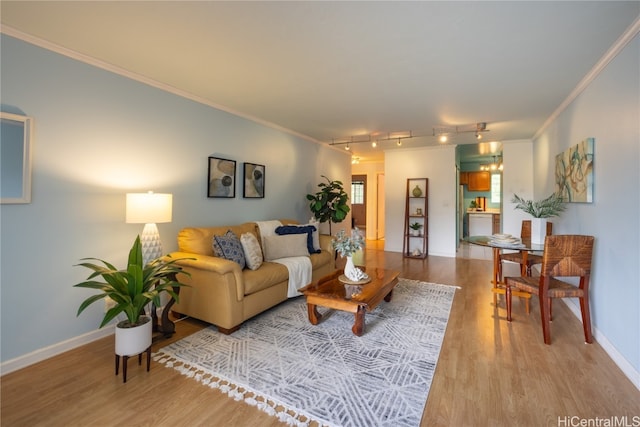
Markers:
point(324, 375)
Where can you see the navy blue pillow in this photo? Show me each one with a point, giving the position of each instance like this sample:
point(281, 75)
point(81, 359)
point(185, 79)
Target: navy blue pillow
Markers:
point(297, 229)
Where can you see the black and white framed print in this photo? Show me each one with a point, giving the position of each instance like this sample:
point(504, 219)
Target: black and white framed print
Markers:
point(253, 181)
point(222, 178)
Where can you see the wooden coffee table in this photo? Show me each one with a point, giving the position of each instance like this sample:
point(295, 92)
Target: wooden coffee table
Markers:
point(331, 293)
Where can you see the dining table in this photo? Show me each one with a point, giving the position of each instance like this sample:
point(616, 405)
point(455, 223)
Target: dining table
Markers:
point(523, 245)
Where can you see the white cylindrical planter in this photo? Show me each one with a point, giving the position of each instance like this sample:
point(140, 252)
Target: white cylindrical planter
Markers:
point(538, 230)
point(133, 341)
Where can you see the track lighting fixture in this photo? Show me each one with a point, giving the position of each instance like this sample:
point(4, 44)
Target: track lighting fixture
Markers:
point(443, 133)
point(391, 136)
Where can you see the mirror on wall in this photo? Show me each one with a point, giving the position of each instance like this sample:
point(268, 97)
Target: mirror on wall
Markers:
point(16, 132)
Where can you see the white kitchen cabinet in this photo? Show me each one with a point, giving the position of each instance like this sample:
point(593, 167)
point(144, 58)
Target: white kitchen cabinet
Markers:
point(480, 224)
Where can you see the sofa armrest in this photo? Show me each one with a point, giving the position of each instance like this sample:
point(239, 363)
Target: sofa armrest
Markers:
point(222, 271)
point(205, 262)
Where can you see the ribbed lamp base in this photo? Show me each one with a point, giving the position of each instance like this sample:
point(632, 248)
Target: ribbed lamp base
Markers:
point(151, 244)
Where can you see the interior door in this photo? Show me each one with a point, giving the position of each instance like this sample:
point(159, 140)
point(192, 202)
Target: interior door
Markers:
point(359, 201)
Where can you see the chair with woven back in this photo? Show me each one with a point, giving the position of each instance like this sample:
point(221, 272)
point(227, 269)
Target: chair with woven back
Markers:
point(516, 257)
point(563, 256)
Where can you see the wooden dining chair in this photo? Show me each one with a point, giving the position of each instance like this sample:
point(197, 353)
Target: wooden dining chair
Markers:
point(563, 256)
point(516, 257)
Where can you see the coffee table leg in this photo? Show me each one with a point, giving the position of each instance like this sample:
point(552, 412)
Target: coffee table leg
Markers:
point(389, 296)
point(358, 326)
point(314, 315)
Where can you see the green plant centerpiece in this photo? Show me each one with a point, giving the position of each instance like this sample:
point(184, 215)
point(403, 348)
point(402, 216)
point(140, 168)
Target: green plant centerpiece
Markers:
point(133, 288)
point(546, 208)
point(346, 245)
point(540, 211)
point(330, 202)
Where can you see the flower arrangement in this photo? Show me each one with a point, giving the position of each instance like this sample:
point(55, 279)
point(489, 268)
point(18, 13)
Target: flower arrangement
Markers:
point(345, 244)
point(547, 208)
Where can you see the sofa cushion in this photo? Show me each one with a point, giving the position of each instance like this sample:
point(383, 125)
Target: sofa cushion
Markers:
point(198, 240)
point(285, 246)
point(300, 229)
point(252, 251)
point(215, 247)
point(316, 236)
point(321, 259)
point(231, 248)
point(268, 275)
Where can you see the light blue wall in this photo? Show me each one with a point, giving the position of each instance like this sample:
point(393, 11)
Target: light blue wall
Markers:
point(99, 135)
point(609, 111)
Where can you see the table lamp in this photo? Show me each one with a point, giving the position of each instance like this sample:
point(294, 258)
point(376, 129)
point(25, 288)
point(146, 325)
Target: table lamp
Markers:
point(149, 209)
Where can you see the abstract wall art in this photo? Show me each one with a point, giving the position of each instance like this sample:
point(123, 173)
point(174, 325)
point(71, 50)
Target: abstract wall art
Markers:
point(574, 172)
point(221, 178)
point(253, 181)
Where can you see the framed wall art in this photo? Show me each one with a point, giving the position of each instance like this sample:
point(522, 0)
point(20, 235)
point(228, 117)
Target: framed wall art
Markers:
point(574, 172)
point(221, 178)
point(253, 181)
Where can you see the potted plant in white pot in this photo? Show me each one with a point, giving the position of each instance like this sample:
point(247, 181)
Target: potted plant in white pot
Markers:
point(346, 245)
point(540, 211)
point(129, 291)
point(416, 226)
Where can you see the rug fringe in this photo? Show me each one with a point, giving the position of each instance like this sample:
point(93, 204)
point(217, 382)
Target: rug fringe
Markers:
point(430, 283)
point(271, 408)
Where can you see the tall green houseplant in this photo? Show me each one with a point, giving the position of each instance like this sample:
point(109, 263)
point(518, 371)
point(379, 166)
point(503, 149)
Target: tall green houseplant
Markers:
point(330, 202)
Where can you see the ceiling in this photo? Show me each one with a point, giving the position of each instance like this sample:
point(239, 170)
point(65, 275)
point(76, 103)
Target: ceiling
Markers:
point(330, 70)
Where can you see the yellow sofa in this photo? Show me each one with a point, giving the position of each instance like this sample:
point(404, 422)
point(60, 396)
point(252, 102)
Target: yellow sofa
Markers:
point(222, 293)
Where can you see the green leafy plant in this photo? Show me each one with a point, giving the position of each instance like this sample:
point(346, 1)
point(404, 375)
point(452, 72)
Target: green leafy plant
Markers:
point(415, 226)
point(131, 289)
point(346, 244)
point(546, 208)
point(330, 203)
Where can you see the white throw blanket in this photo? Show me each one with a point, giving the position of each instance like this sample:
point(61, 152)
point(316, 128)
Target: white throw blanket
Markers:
point(299, 267)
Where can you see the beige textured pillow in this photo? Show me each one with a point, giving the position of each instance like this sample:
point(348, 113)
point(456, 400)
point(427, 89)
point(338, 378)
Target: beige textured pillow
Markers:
point(285, 246)
point(252, 251)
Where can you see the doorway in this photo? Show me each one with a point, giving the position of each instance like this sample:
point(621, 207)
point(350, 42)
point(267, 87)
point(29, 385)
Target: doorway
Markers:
point(380, 207)
point(359, 202)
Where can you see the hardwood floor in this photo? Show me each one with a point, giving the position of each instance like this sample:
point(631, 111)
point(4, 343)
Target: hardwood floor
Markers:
point(490, 372)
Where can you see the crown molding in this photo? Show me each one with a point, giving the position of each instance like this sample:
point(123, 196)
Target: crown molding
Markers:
point(613, 51)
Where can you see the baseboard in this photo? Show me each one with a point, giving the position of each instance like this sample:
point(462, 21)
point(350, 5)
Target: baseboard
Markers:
point(53, 350)
point(626, 367)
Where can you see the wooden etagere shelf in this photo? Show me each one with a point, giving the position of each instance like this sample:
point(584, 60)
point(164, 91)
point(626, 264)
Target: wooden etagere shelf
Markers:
point(416, 245)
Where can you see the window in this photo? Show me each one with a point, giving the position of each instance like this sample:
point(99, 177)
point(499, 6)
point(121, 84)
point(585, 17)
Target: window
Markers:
point(357, 192)
point(495, 187)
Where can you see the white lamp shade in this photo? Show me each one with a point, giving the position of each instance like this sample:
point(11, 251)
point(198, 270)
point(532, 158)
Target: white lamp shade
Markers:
point(149, 208)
